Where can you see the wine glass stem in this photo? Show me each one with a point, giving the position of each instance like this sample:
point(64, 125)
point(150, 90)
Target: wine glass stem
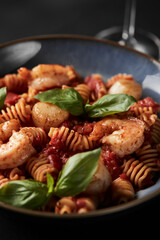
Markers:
point(129, 20)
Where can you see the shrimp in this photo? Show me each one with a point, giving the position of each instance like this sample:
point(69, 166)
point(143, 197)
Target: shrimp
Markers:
point(123, 136)
point(16, 151)
point(100, 182)
point(7, 128)
point(20, 146)
point(45, 76)
point(41, 77)
point(126, 86)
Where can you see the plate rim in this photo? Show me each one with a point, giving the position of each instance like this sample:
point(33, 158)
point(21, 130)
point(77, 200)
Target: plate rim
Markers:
point(78, 37)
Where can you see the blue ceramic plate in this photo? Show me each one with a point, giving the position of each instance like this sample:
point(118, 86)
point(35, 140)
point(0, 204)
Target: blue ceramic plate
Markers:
point(88, 56)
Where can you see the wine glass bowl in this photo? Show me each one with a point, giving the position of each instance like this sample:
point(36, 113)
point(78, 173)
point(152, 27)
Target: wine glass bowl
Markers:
point(128, 35)
point(143, 41)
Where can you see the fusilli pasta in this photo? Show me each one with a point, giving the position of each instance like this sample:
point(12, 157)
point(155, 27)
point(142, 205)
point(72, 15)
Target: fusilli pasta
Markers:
point(155, 131)
point(139, 172)
point(39, 166)
point(20, 111)
point(16, 82)
point(76, 205)
point(10, 175)
point(71, 139)
point(122, 190)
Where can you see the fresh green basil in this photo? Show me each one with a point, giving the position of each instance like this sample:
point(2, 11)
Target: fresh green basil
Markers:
point(50, 183)
point(3, 92)
point(70, 100)
point(109, 104)
point(67, 99)
point(77, 173)
point(73, 179)
point(29, 194)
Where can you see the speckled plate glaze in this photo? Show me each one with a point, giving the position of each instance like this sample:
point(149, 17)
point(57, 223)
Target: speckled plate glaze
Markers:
point(87, 55)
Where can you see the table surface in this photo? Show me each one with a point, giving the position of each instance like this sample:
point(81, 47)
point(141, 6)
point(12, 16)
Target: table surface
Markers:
point(20, 19)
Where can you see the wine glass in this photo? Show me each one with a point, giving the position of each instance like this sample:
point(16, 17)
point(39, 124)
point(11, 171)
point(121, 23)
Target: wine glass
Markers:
point(128, 35)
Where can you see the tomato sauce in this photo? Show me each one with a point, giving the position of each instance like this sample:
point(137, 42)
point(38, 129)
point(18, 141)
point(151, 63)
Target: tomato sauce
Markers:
point(112, 162)
point(84, 129)
point(55, 161)
point(95, 83)
point(124, 176)
point(57, 144)
point(11, 98)
point(149, 102)
point(81, 203)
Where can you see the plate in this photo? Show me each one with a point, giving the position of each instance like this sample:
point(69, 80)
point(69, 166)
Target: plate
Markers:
point(87, 55)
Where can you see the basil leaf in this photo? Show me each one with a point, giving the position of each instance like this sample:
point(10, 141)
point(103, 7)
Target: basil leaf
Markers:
point(3, 92)
point(50, 183)
point(77, 173)
point(67, 99)
point(29, 194)
point(110, 104)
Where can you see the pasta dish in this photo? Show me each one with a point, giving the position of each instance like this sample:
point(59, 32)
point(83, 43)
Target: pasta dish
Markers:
point(70, 144)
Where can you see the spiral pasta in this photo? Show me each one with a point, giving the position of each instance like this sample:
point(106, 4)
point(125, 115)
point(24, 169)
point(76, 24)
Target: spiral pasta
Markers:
point(141, 170)
point(136, 171)
point(76, 205)
point(148, 119)
point(155, 131)
point(16, 82)
point(65, 205)
point(140, 110)
point(11, 175)
point(140, 173)
point(122, 190)
point(3, 182)
point(20, 111)
point(39, 166)
point(86, 204)
point(84, 91)
point(144, 113)
point(71, 139)
point(148, 154)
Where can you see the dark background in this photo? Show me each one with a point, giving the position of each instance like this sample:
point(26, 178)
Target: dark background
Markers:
point(20, 19)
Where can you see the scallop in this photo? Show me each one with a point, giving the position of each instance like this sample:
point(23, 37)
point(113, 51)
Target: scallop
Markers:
point(100, 182)
point(126, 86)
point(48, 115)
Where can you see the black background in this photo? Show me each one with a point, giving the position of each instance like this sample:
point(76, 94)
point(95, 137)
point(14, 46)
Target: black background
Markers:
point(20, 19)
